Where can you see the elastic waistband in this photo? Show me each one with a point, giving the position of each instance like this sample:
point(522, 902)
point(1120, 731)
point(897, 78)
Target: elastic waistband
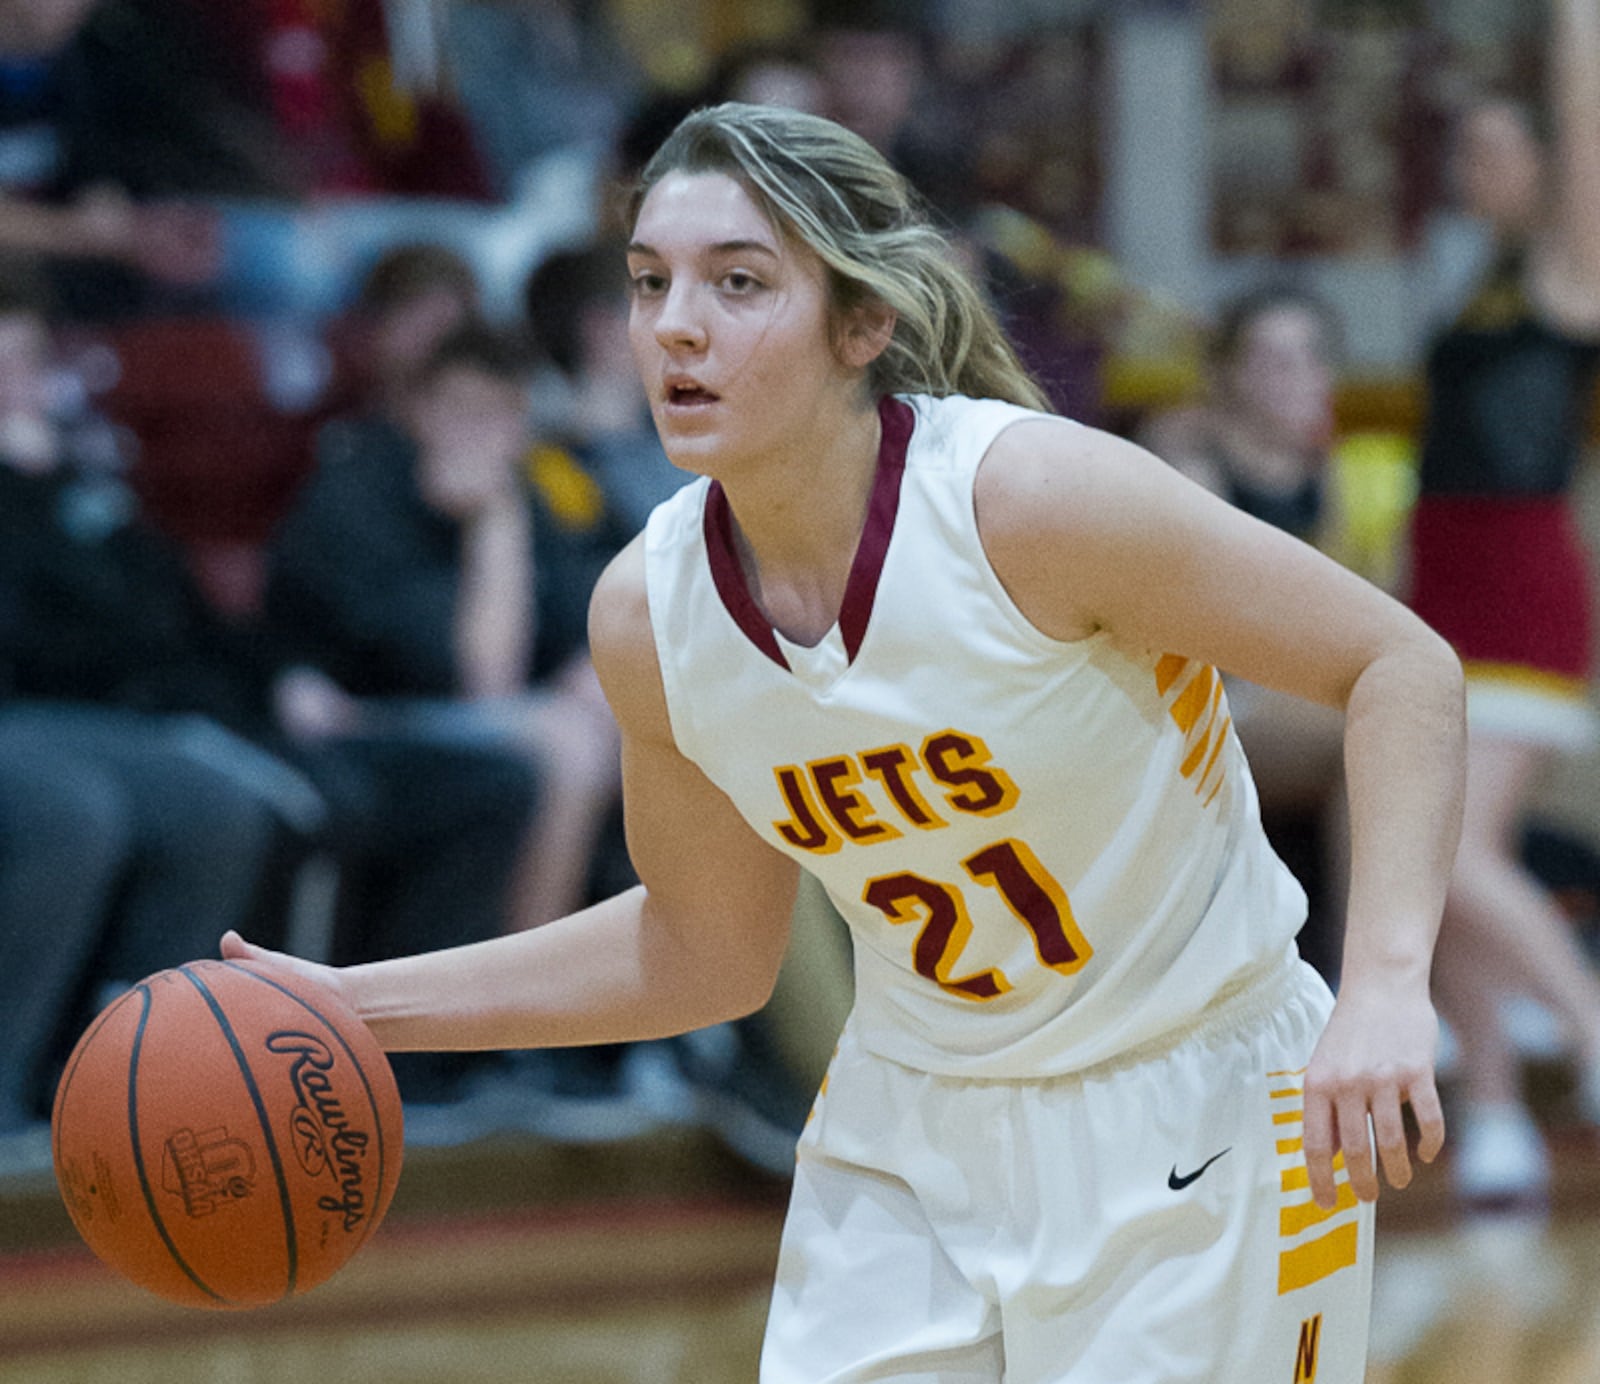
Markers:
point(1239, 1008)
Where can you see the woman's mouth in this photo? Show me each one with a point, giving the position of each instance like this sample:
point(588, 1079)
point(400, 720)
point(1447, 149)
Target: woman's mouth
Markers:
point(689, 396)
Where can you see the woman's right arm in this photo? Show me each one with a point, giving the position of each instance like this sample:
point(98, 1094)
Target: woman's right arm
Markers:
point(698, 942)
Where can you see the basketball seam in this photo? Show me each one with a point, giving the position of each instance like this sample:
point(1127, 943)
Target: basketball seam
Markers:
point(372, 1103)
point(79, 1052)
point(138, 1153)
point(285, 1201)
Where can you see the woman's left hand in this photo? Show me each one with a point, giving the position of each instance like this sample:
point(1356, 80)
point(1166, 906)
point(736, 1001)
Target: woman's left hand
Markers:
point(1375, 1057)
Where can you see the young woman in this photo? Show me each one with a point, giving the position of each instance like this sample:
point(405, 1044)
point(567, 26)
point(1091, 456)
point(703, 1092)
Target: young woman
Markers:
point(1498, 569)
point(957, 658)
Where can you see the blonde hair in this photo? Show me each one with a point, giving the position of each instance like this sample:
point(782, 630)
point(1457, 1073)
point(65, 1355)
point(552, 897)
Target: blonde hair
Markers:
point(834, 193)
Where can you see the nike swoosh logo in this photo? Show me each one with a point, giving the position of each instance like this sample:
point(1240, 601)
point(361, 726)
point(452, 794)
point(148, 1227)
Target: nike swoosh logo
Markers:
point(1179, 1183)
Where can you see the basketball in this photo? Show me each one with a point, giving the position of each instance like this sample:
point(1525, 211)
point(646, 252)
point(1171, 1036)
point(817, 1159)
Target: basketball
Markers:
point(226, 1136)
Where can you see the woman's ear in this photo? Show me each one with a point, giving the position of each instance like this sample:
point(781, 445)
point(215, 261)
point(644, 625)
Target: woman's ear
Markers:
point(864, 334)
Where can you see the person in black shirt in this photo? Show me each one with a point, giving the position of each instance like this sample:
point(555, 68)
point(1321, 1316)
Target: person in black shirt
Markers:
point(115, 134)
point(126, 833)
point(161, 722)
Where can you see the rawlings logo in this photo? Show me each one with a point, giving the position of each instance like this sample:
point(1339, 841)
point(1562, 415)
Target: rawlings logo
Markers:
point(324, 1142)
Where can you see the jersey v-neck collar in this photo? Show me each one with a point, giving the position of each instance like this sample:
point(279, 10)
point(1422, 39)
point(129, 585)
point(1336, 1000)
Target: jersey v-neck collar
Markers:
point(861, 587)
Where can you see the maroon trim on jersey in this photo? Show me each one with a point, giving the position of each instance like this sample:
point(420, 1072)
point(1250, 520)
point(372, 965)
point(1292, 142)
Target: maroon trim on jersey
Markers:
point(861, 586)
point(728, 576)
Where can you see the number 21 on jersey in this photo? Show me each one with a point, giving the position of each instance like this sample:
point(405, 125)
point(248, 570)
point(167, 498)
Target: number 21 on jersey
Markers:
point(1032, 894)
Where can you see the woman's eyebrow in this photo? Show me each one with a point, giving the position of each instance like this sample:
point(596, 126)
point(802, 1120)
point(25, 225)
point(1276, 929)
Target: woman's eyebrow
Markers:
point(722, 247)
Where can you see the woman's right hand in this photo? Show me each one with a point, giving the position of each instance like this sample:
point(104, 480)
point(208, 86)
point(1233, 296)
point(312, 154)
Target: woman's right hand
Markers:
point(235, 948)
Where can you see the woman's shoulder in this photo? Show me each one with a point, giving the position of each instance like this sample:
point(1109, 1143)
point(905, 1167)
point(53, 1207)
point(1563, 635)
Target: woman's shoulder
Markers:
point(958, 431)
point(619, 609)
point(622, 645)
point(1046, 480)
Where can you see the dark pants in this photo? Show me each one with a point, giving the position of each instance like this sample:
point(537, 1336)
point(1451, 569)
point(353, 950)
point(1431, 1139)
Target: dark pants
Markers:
point(120, 854)
point(426, 836)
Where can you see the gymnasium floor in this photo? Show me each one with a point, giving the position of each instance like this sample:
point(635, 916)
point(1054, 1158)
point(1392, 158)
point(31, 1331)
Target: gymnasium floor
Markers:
point(648, 1263)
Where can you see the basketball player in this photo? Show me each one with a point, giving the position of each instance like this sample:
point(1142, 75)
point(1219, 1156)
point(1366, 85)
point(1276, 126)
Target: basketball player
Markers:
point(1498, 567)
point(1090, 1118)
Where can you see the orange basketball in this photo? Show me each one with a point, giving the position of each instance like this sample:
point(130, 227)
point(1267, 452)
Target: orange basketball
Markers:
point(225, 1135)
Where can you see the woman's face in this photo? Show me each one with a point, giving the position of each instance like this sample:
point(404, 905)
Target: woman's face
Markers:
point(407, 334)
point(1499, 166)
point(1280, 380)
point(730, 326)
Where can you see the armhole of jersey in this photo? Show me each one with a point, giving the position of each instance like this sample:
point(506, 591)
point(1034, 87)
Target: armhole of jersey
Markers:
point(1003, 600)
point(657, 573)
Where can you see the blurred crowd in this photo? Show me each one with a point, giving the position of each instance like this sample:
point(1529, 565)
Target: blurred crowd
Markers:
point(318, 423)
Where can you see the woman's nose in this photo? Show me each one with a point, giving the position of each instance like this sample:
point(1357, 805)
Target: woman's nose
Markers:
point(679, 324)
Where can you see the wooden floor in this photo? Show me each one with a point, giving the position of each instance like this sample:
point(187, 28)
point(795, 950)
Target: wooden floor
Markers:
point(649, 1263)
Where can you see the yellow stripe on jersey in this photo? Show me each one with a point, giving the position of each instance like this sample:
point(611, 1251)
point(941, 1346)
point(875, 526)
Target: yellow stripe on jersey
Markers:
point(1194, 698)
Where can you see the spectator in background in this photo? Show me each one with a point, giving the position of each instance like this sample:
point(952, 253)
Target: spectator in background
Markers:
point(577, 311)
point(535, 77)
point(430, 598)
point(1261, 439)
point(750, 1081)
point(114, 132)
point(413, 574)
point(770, 74)
point(411, 298)
point(122, 674)
point(419, 361)
point(387, 64)
point(124, 840)
point(1498, 568)
point(875, 76)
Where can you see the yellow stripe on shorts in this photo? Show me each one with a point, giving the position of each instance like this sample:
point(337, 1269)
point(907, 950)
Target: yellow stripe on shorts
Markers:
point(1334, 1248)
point(1317, 1259)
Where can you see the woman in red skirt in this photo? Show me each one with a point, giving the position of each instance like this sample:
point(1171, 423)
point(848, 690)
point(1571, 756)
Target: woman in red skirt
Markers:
point(1499, 570)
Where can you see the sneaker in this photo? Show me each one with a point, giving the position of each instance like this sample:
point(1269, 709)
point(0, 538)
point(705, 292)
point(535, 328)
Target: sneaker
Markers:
point(729, 1080)
point(442, 1124)
point(566, 1096)
point(1500, 1159)
point(435, 1094)
point(25, 1152)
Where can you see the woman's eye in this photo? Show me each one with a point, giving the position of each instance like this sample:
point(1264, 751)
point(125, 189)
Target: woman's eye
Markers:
point(739, 281)
point(647, 284)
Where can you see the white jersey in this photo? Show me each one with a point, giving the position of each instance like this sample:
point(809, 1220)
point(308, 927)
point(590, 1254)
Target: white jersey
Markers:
point(1049, 853)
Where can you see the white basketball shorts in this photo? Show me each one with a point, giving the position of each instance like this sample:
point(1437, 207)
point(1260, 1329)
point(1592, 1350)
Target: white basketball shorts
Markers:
point(1146, 1222)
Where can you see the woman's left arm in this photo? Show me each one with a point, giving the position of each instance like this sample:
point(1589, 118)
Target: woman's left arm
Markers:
point(1089, 533)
